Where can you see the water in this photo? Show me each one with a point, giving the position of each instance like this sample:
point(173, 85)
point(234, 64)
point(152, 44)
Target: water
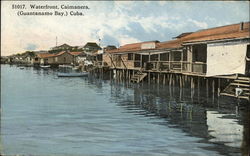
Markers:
point(46, 115)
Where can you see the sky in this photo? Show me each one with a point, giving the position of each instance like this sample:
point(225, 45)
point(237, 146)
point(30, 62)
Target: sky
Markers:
point(114, 22)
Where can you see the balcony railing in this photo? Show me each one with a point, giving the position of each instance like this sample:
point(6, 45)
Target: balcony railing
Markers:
point(180, 66)
point(171, 66)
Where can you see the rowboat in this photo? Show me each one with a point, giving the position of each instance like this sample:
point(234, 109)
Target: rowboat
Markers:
point(68, 71)
point(45, 66)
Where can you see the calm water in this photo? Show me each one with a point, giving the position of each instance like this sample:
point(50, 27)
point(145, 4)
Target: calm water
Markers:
point(46, 115)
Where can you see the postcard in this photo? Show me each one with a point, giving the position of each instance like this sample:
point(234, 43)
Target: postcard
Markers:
point(125, 78)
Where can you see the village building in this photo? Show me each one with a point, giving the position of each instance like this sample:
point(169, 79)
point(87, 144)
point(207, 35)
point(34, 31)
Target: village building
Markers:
point(62, 47)
point(204, 52)
point(65, 47)
point(54, 59)
point(79, 57)
point(91, 47)
point(4, 59)
point(74, 58)
point(219, 53)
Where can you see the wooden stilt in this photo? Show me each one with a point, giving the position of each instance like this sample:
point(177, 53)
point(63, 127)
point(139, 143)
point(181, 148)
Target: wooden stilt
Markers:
point(164, 79)
point(192, 85)
point(158, 78)
point(218, 87)
point(149, 77)
point(198, 79)
point(207, 82)
point(170, 79)
point(213, 85)
point(110, 74)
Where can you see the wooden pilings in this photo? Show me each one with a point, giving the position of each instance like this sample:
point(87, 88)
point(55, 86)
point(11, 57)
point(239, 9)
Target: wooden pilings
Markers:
point(192, 86)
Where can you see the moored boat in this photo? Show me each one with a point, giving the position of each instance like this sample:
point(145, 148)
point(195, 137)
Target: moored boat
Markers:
point(45, 66)
point(68, 71)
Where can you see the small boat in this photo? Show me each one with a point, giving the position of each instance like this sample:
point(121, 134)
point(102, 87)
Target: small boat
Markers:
point(45, 66)
point(68, 71)
point(21, 68)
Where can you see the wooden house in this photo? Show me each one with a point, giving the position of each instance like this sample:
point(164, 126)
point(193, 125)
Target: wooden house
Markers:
point(218, 51)
point(55, 59)
point(79, 57)
point(130, 56)
point(91, 47)
point(216, 54)
point(209, 52)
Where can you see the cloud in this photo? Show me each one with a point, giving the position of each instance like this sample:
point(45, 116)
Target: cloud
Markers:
point(125, 39)
point(203, 25)
point(31, 46)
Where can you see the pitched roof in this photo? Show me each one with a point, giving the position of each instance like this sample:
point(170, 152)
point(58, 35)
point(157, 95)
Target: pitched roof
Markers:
point(170, 44)
point(46, 55)
point(64, 45)
point(92, 44)
point(183, 34)
point(224, 32)
point(218, 33)
point(131, 47)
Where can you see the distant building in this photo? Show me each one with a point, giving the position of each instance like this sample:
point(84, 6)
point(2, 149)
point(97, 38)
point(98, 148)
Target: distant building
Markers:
point(62, 47)
point(4, 59)
point(110, 47)
point(54, 59)
point(91, 47)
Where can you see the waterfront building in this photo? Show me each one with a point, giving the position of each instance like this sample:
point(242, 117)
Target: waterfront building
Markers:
point(79, 57)
point(221, 53)
point(55, 59)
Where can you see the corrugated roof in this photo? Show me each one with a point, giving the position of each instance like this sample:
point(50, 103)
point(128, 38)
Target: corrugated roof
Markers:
point(218, 33)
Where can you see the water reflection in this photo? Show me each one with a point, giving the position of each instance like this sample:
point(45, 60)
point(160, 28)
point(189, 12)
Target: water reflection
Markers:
point(101, 117)
point(224, 129)
point(219, 121)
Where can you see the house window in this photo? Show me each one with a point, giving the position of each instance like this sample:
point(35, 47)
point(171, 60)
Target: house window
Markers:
point(137, 57)
point(195, 55)
point(130, 56)
point(36, 59)
point(164, 57)
point(64, 59)
point(184, 55)
point(154, 57)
